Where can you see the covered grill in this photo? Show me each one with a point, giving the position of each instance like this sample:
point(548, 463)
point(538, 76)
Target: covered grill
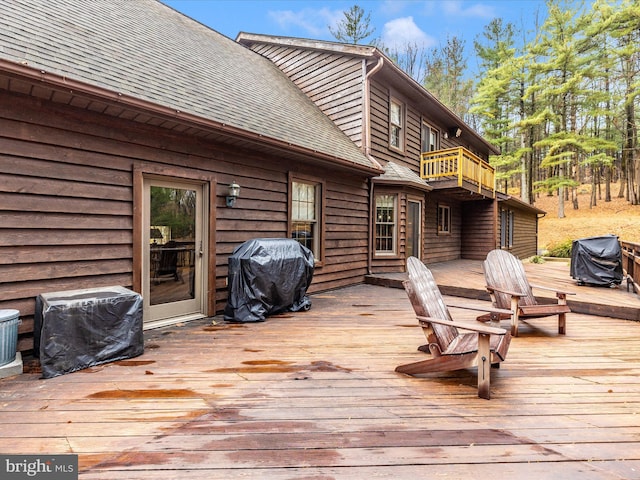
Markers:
point(597, 261)
point(268, 276)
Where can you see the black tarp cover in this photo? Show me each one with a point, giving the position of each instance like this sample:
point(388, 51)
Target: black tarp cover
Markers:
point(597, 261)
point(77, 329)
point(268, 276)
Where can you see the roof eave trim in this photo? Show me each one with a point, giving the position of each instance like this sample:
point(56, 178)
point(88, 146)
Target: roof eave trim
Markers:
point(357, 50)
point(503, 197)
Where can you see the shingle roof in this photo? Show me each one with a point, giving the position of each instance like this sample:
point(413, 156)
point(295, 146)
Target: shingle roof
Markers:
point(146, 50)
point(394, 173)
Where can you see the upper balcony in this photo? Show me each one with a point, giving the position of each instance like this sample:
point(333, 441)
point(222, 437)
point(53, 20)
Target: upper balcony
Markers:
point(458, 167)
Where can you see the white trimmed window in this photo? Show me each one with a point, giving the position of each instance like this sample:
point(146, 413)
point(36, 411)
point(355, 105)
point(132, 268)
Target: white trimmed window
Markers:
point(305, 215)
point(396, 124)
point(385, 224)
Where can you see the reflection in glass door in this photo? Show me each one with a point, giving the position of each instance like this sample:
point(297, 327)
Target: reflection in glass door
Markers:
point(413, 229)
point(174, 253)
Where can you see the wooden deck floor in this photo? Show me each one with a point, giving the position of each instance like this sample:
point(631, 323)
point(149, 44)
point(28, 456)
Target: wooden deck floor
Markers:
point(464, 278)
point(314, 395)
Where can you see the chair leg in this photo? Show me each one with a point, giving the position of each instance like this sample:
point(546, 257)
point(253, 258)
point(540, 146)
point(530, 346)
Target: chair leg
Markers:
point(562, 318)
point(515, 316)
point(484, 366)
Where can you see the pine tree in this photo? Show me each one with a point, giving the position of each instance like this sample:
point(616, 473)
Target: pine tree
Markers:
point(354, 27)
point(625, 29)
point(562, 66)
point(600, 104)
point(494, 98)
point(444, 76)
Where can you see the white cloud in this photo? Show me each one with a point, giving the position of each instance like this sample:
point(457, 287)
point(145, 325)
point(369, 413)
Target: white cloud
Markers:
point(458, 8)
point(402, 31)
point(312, 22)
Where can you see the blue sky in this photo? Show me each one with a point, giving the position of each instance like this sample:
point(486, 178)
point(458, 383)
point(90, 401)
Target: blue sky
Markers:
point(396, 22)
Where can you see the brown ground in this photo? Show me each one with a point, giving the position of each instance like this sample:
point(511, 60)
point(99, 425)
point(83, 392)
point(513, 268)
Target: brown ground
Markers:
point(617, 217)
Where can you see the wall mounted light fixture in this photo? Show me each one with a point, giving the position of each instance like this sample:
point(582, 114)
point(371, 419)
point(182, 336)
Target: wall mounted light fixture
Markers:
point(455, 131)
point(234, 193)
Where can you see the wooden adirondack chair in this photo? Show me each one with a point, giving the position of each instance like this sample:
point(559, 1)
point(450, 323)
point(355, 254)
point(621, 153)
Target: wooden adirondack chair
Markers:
point(509, 288)
point(481, 346)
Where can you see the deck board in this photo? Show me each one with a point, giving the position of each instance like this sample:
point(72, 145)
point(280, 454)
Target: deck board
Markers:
point(315, 395)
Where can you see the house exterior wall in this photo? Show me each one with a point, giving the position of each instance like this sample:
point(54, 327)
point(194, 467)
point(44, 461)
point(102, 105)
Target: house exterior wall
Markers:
point(68, 212)
point(333, 82)
point(435, 247)
point(414, 117)
point(525, 233)
point(478, 238)
point(439, 247)
point(379, 125)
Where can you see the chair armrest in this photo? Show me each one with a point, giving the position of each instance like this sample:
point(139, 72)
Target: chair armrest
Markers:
point(504, 290)
point(474, 327)
point(480, 309)
point(549, 289)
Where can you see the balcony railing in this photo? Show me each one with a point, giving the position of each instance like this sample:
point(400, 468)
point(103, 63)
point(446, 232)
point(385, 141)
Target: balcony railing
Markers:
point(631, 264)
point(461, 165)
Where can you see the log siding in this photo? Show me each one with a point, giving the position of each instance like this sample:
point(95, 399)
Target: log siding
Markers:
point(67, 204)
point(525, 233)
point(478, 237)
point(333, 82)
point(442, 247)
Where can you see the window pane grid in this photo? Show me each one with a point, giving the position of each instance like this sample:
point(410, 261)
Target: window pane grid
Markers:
point(385, 224)
point(395, 124)
point(304, 212)
point(303, 202)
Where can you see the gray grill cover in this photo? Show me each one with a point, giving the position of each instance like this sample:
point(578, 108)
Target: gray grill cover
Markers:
point(268, 276)
point(597, 261)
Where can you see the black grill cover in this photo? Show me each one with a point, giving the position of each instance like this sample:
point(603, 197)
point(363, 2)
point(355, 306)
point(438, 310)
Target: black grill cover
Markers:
point(268, 276)
point(597, 261)
point(77, 329)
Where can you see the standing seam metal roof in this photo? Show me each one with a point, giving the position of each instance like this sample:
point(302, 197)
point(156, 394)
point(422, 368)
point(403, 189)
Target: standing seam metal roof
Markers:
point(147, 50)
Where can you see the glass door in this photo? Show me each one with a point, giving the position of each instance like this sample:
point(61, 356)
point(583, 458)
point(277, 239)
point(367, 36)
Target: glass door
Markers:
point(413, 228)
point(173, 253)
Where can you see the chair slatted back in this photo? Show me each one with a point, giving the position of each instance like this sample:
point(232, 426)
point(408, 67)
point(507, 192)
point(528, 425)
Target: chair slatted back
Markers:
point(503, 270)
point(429, 300)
